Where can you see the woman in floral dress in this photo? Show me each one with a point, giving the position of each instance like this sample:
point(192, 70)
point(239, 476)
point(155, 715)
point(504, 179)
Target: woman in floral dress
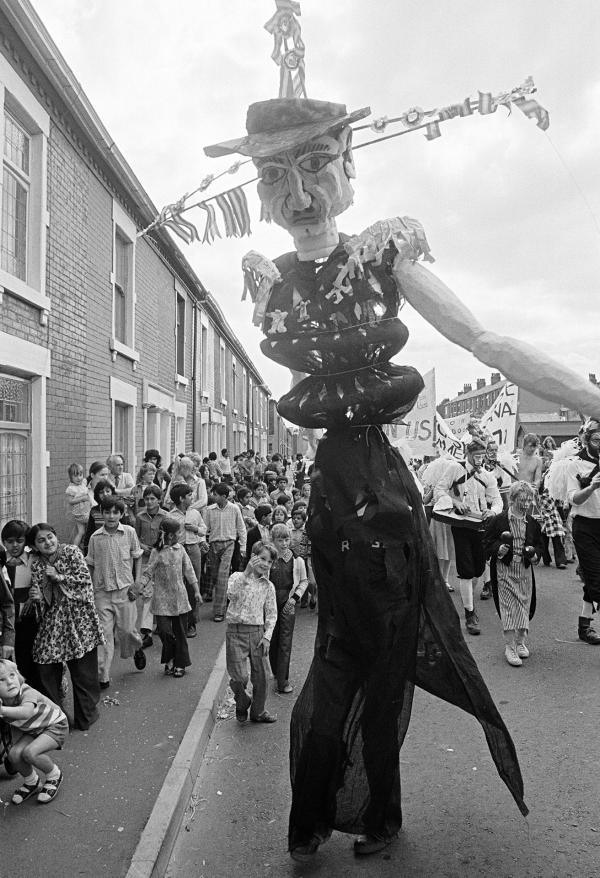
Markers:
point(70, 631)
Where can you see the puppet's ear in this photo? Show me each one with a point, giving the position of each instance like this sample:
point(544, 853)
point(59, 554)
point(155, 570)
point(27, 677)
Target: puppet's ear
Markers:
point(345, 138)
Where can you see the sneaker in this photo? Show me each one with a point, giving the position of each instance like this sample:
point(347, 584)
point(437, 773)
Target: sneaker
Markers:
point(522, 651)
point(472, 622)
point(147, 641)
point(264, 717)
point(371, 844)
point(304, 853)
point(486, 592)
point(139, 659)
point(449, 587)
point(510, 654)
point(49, 790)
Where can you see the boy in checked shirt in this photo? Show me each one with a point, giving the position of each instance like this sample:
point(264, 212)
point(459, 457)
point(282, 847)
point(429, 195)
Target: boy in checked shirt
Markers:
point(251, 617)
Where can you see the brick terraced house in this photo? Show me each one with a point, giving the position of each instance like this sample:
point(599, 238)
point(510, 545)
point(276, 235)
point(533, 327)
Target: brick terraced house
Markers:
point(108, 341)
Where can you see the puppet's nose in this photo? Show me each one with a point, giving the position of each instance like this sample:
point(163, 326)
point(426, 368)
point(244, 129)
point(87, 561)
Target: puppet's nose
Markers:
point(299, 199)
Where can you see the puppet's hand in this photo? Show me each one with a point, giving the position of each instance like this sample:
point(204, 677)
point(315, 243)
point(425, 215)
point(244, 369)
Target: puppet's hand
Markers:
point(259, 276)
point(405, 233)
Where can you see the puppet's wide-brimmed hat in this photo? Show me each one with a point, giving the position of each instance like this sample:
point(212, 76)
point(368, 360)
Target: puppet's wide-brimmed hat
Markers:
point(282, 123)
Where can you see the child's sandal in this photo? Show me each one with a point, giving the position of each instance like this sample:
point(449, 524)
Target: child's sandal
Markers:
point(25, 791)
point(49, 790)
point(178, 672)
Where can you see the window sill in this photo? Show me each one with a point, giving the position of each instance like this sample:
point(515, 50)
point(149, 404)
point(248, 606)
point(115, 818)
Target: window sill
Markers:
point(180, 379)
point(117, 347)
point(23, 291)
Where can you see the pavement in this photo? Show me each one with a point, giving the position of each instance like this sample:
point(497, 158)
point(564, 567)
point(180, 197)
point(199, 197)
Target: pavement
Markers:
point(167, 784)
point(151, 728)
point(459, 819)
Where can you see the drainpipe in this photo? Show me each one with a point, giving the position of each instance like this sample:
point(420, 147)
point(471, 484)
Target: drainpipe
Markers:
point(195, 443)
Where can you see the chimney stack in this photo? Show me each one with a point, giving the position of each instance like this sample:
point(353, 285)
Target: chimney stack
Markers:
point(480, 383)
point(495, 379)
point(467, 388)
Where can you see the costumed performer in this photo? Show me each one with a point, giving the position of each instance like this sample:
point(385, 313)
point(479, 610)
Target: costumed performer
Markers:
point(386, 621)
point(583, 481)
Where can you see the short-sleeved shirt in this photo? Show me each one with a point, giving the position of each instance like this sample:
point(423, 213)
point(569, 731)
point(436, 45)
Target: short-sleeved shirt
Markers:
point(147, 526)
point(110, 556)
point(46, 712)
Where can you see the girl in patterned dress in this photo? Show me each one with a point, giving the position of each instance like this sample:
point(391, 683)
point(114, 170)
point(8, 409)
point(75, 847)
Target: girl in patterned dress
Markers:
point(164, 581)
point(514, 543)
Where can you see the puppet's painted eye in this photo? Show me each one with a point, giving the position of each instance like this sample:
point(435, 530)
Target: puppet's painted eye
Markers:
point(315, 162)
point(272, 174)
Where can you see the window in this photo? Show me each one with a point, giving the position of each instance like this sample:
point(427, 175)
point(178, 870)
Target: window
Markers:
point(204, 355)
point(180, 426)
point(24, 127)
point(15, 195)
point(15, 451)
point(123, 250)
point(123, 283)
point(124, 403)
point(121, 430)
point(234, 388)
point(222, 371)
point(180, 334)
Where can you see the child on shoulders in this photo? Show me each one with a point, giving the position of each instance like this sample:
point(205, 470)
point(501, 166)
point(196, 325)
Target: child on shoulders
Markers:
point(79, 502)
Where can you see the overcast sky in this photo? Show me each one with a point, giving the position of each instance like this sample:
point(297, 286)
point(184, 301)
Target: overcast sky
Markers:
point(512, 213)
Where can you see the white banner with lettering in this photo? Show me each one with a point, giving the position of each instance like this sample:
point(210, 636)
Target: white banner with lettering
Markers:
point(500, 421)
point(419, 424)
point(445, 440)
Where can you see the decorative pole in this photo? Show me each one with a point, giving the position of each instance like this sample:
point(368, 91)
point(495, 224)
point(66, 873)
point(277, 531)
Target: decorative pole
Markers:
point(288, 51)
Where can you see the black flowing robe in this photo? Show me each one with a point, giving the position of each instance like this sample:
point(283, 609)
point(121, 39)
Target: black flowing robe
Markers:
point(386, 623)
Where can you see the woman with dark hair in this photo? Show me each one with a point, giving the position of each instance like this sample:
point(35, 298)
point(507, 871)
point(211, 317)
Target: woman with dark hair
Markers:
point(98, 470)
point(69, 630)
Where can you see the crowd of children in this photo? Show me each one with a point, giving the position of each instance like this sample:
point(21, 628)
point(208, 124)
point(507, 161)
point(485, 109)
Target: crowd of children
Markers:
point(144, 554)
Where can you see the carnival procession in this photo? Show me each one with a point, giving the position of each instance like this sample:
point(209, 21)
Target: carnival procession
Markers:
point(275, 598)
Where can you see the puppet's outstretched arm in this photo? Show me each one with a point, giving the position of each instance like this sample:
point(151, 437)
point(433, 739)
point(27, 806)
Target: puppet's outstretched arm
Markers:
point(518, 361)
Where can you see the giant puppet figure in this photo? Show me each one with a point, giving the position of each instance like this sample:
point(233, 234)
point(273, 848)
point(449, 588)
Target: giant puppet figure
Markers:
point(329, 312)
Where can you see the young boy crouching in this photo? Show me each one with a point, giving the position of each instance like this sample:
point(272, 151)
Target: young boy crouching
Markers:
point(39, 727)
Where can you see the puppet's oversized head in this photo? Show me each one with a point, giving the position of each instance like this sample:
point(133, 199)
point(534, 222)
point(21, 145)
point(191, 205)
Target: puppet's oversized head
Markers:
point(302, 151)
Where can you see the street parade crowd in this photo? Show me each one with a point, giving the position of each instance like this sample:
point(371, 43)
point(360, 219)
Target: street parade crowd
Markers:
point(147, 551)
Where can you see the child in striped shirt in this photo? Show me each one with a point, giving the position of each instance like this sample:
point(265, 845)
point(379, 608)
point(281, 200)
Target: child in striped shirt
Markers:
point(40, 726)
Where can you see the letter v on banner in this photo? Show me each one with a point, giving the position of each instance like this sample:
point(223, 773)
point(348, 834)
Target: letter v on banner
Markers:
point(500, 421)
